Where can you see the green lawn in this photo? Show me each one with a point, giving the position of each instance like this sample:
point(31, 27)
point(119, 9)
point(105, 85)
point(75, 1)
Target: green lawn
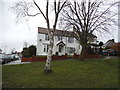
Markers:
point(92, 73)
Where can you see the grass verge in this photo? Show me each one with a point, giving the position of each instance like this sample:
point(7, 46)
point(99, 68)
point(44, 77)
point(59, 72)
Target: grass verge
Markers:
point(92, 73)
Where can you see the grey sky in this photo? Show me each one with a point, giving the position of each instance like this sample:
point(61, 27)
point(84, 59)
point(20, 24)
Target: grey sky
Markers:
point(13, 35)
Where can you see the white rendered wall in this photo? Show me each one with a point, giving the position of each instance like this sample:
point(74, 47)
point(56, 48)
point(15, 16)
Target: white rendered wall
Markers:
point(40, 45)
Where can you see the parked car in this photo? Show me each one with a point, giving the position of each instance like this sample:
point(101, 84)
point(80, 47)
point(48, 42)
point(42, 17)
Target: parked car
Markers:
point(7, 58)
point(109, 52)
point(104, 53)
point(4, 59)
point(1, 59)
point(15, 57)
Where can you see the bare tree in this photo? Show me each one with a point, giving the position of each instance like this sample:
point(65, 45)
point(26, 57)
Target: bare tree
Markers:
point(88, 17)
point(22, 9)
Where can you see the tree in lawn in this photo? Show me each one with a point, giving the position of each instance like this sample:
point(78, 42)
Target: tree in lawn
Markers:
point(22, 9)
point(100, 50)
point(87, 17)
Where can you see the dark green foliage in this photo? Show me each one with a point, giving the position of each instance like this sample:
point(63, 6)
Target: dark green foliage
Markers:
point(56, 53)
point(25, 52)
point(89, 50)
point(32, 50)
point(101, 43)
point(100, 50)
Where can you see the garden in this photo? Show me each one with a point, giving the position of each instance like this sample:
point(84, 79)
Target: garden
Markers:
point(91, 73)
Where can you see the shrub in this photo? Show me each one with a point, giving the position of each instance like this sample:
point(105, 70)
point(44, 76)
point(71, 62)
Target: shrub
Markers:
point(32, 50)
point(25, 52)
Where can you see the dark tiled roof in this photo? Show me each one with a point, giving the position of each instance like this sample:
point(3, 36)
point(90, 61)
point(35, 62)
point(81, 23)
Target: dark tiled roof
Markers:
point(58, 32)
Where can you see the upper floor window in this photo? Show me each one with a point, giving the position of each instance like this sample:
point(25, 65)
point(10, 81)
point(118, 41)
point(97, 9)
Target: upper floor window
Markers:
point(59, 38)
point(70, 39)
point(46, 37)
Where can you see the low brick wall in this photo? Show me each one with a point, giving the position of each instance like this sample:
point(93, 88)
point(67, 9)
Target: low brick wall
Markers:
point(59, 57)
point(38, 59)
point(76, 56)
point(26, 59)
point(87, 56)
point(41, 59)
point(92, 56)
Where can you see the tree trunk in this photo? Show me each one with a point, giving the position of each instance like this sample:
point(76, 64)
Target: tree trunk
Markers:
point(83, 51)
point(50, 52)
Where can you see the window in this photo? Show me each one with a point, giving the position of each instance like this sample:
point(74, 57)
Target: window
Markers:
point(46, 37)
point(70, 39)
point(45, 47)
point(71, 50)
point(59, 38)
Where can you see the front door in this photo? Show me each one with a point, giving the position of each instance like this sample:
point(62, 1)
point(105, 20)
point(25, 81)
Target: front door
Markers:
point(61, 50)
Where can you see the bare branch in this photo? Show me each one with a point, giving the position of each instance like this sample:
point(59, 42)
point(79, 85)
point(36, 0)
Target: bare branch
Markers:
point(33, 15)
point(40, 9)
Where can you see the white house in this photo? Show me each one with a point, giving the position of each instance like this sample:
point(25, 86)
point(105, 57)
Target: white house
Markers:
point(64, 42)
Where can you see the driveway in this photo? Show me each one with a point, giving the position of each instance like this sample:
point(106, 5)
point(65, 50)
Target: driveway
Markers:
point(16, 62)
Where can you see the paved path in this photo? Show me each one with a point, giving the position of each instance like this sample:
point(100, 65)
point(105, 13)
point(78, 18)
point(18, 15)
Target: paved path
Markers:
point(16, 62)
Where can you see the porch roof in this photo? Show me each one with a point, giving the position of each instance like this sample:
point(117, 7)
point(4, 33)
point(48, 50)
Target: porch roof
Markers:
point(61, 43)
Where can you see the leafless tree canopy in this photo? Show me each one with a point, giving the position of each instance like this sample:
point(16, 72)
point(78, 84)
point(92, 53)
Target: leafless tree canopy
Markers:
point(88, 16)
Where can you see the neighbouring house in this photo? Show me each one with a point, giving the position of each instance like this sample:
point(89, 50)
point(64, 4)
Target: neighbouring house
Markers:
point(109, 43)
point(64, 42)
point(116, 47)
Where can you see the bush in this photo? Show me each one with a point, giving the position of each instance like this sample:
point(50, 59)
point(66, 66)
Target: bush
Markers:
point(25, 52)
point(28, 52)
point(90, 50)
point(32, 50)
point(56, 53)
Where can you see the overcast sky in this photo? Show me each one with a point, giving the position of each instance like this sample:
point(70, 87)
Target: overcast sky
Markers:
point(14, 35)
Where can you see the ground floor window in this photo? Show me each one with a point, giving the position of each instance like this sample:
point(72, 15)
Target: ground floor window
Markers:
point(70, 50)
point(45, 47)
